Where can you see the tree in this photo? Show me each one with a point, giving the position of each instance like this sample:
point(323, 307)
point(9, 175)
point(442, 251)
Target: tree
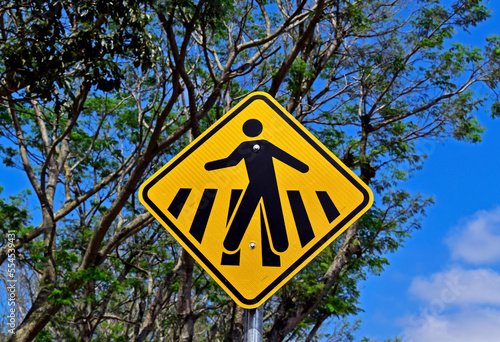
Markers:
point(97, 95)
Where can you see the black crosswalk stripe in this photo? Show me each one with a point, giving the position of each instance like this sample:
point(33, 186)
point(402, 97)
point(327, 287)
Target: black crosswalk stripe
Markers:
point(301, 218)
point(269, 258)
point(235, 196)
point(203, 214)
point(180, 199)
point(329, 208)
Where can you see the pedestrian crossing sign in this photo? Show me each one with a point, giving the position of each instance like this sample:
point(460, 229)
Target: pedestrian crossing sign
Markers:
point(255, 198)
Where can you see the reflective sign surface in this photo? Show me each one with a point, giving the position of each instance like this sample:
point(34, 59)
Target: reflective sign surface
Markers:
point(255, 198)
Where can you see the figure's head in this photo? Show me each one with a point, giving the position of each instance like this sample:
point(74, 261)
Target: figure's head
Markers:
point(252, 128)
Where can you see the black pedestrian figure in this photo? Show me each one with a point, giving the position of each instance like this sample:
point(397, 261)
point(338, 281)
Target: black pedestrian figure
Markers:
point(258, 156)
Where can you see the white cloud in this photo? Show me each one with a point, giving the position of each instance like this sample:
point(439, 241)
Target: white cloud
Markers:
point(458, 287)
point(478, 240)
point(469, 325)
point(458, 305)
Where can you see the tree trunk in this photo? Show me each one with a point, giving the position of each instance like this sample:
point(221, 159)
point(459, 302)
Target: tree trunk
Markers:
point(237, 328)
point(184, 308)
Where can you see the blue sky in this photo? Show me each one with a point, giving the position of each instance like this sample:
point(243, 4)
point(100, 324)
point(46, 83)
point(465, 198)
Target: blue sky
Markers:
point(444, 285)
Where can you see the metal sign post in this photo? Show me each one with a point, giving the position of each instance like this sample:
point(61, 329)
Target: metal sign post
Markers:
point(253, 324)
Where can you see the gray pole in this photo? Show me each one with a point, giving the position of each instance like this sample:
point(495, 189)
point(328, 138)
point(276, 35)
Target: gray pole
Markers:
point(253, 324)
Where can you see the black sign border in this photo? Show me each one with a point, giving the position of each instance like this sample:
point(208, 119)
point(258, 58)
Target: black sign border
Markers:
point(318, 246)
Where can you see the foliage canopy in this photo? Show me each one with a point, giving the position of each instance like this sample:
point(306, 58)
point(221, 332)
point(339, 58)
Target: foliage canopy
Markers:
point(97, 95)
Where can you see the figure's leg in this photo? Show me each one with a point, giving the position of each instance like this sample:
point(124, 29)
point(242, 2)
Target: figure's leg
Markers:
point(241, 220)
point(274, 214)
point(232, 259)
point(268, 256)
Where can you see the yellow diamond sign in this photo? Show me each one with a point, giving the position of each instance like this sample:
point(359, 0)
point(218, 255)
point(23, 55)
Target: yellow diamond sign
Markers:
point(255, 198)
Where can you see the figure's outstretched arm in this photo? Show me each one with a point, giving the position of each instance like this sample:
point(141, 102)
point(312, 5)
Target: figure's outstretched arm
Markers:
point(289, 159)
point(232, 160)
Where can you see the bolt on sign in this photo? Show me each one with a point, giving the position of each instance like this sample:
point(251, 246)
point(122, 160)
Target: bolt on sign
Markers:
point(255, 198)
